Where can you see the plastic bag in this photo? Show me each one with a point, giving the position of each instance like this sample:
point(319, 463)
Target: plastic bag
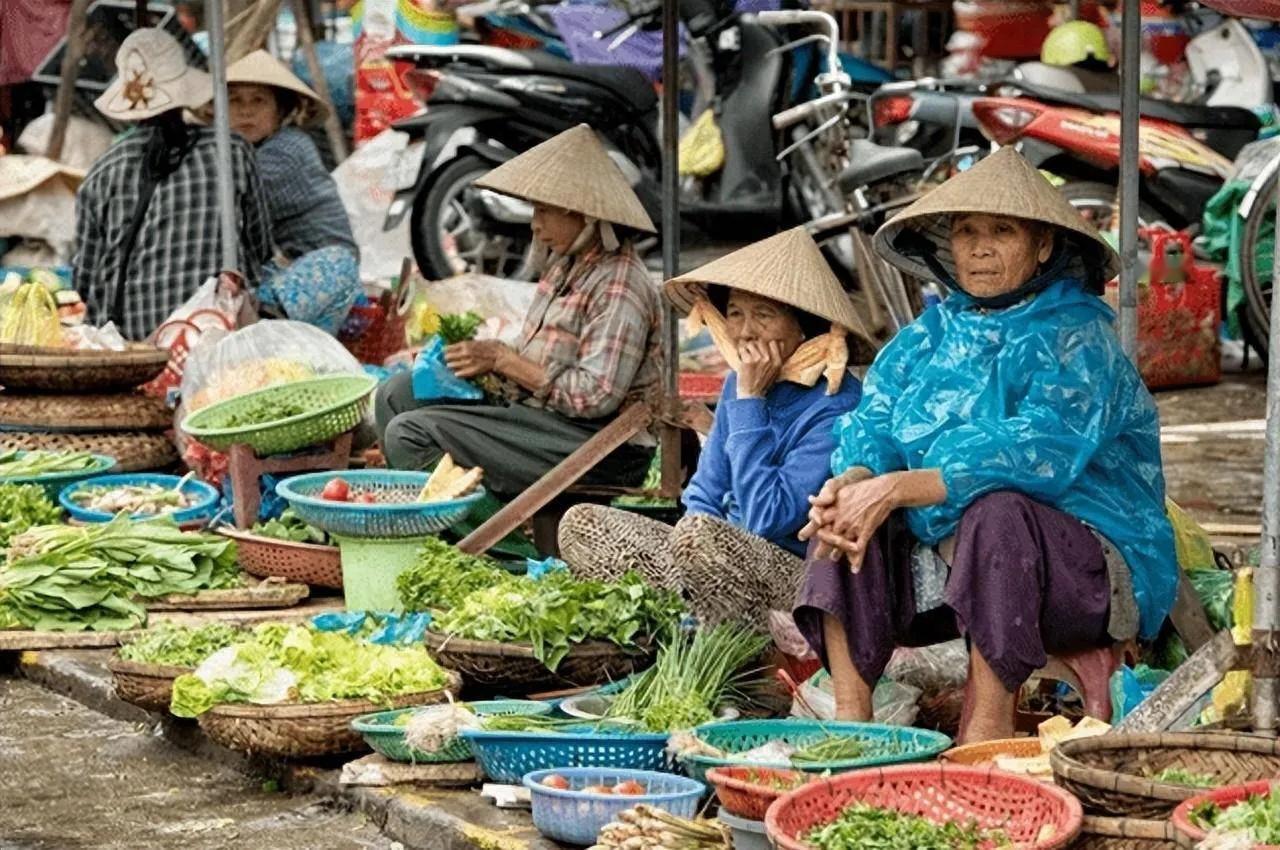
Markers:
point(1195, 550)
point(433, 379)
point(702, 147)
point(1216, 590)
point(932, 669)
point(536, 569)
point(1130, 686)
point(892, 702)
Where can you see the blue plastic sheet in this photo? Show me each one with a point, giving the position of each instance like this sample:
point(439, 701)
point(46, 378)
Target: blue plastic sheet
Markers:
point(1130, 686)
point(433, 379)
point(1037, 398)
point(388, 629)
point(536, 569)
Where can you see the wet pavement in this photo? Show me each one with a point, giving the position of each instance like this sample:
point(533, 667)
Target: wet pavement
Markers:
point(73, 779)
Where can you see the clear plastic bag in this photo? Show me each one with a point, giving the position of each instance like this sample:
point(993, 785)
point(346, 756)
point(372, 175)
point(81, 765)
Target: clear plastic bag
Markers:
point(932, 669)
point(893, 703)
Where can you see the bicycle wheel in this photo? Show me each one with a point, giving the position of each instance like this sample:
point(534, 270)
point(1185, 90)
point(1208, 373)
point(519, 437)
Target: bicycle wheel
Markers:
point(1257, 253)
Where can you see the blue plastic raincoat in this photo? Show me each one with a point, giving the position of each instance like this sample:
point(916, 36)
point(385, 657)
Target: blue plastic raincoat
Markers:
point(1036, 398)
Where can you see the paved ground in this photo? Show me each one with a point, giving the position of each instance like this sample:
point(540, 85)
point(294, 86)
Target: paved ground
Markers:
point(72, 779)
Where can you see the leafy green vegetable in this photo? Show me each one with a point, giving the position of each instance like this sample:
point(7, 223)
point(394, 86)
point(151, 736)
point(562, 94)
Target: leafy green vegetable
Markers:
point(556, 611)
point(829, 749)
point(181, 646)
point(261, 411)
point(23, 506)
point(443, 576)
point(459, 327)
point(291, 527)
point(1257, 814)
point(861, 826)
point(1178, 776)
point(652, 481)
point(694, 674)
point(297, 663)
point(61, 578)
point(17, 464)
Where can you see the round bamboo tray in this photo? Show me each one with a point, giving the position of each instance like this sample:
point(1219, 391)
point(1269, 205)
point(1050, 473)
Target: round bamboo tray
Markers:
point(986, 752)
point(81, 413)
point(29, 369)
point(267, 557)
point(134, 451)
point(148, 686)
point(489, 664)
point(304, 730)
point(1110, 773)
point(1125, 834)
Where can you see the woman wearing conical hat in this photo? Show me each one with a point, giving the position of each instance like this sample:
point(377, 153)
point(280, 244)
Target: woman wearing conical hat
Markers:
point(589, 344)
point(780, 318)
point(1001, 477)
point(315, 276)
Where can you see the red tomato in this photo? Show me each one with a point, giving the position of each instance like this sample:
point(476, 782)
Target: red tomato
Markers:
point(556, 781)
point(630, 788)
point(367, 499)
point(336, 490)
point(597, 789)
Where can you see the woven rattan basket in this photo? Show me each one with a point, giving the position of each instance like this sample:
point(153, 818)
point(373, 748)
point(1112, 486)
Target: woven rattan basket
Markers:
point(266, 557)
point(134, 451)
point(80, 413)
point(148, 686)
point(298, 730)
point(54, 370)
point(1125, 834)
point(512, 666)
point(1110, 773)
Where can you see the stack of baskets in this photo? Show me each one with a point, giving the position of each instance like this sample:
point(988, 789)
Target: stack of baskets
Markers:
point(87, 401)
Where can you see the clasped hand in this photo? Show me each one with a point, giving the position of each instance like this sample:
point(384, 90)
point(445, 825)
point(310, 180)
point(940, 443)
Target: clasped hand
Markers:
point(846, 514)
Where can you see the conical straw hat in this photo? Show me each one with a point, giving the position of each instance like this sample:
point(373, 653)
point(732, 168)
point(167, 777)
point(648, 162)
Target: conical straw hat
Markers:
point(20, 174)
point(788, 268)
point(572, 171)
point(1002, 184)
point(264, 69)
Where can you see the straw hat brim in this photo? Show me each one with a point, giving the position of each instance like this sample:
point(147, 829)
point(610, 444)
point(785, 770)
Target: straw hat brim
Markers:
point(189, 91)
point(788, 268)
point(1002, 184)
point(572, 171)
point(20, 174)
point(261, 68)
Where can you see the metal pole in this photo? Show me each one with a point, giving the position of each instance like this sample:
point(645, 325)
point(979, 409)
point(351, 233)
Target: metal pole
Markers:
point(1266, 578)
point(1130, 92)
point(670, 241)
point(222, 135)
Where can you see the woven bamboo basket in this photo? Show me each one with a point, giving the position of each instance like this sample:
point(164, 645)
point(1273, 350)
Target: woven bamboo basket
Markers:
point(29, 369)
point(80, 413)
point(134, 451)
point(267, 557)
point(148, 686)
point(489, 664)
point(1125, 834)
point(1110, 773)
point(304, 730)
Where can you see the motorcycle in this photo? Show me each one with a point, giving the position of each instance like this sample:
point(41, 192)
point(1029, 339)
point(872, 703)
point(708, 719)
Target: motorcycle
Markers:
point(485, 105)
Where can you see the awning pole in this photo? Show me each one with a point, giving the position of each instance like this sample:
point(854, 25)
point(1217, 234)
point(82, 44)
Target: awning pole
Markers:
point(222, 136)
point(670, 242)
point(1130, 92)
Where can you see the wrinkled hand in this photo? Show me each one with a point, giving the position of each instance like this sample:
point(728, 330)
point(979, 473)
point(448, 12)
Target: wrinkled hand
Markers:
point(761, 363)
point(845, 517)
point(472, 359)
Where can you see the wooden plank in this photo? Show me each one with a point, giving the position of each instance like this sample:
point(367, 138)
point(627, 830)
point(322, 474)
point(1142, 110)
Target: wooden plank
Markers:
point(67, 81)
point(1177, 694)
point(306, 38)
point(1228, 529)
point(1188, 616)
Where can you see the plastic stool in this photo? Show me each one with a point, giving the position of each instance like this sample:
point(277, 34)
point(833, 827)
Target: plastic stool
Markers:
point(370, 567)
point(247, 469)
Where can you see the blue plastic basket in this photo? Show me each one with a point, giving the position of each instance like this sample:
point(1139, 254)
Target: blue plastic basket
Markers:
point(884, 744)
point(405, 518)
point(508, 756)
point(575, 817)
point(381, 732)
point(206, 497)
point(53, 482)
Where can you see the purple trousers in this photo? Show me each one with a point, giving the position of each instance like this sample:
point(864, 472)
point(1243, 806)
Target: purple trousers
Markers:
point(1026, 581)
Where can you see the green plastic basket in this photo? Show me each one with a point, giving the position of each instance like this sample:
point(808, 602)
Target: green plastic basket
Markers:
point(334, 405)
point(383, 735)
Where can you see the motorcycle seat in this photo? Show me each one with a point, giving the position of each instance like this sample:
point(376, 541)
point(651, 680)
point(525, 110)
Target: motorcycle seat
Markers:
point(870, 163)
point(1183, 114)
point(628, 84)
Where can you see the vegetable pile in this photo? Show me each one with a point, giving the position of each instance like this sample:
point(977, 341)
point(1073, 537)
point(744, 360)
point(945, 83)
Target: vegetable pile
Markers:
point(60, 578)
point(145, 499)
point(181, 646)
point(694, 675)
point(556, 611)
point(648, 828)
point(1257, 817)
point(292, 528)
point(444, 575)
point(261, 412)
point(861, 826)
point(23, 506)
point(16, 464)
point(459, 327)
point(279, 663)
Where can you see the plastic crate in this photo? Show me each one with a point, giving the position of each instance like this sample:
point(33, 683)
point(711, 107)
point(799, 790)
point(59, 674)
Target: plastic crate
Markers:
point(508, 756)
point(575, 817)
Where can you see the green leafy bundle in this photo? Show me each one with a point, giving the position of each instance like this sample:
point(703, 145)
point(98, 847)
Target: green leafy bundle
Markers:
point(296, 663)
point(261, 412)
point(18, 464)
point(181, 646)
point(23, 506)
point(556, 611)
point(291, 527)
point(1178, 776)
point(61, 578)
point(459, 327)
point(694, 674)
point(861, 826)
point(1257, 814)
point(443, 576)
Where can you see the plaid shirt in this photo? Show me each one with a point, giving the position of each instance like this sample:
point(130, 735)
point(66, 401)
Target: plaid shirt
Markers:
point(178, 246)
point(593, 327)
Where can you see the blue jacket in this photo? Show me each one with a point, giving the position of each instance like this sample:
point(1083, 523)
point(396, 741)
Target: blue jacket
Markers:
point(1037, 398)
point(766, 456)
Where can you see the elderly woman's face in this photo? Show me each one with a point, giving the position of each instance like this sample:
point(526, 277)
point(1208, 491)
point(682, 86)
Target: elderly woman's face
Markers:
point(254, 111)
point(751, 318)
point(996, 254)
point(556, 228)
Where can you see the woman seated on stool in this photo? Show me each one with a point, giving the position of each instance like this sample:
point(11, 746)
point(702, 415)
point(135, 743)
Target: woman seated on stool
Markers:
point(1001, 478)
point(780, 317)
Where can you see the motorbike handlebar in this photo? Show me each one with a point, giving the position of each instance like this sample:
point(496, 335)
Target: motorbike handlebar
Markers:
point(788, 17)
point(796, 114)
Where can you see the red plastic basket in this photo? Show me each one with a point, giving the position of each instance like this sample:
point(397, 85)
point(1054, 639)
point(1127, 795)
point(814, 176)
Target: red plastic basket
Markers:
point(1225, 798)
point(741, 793)
point(1021, 808)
